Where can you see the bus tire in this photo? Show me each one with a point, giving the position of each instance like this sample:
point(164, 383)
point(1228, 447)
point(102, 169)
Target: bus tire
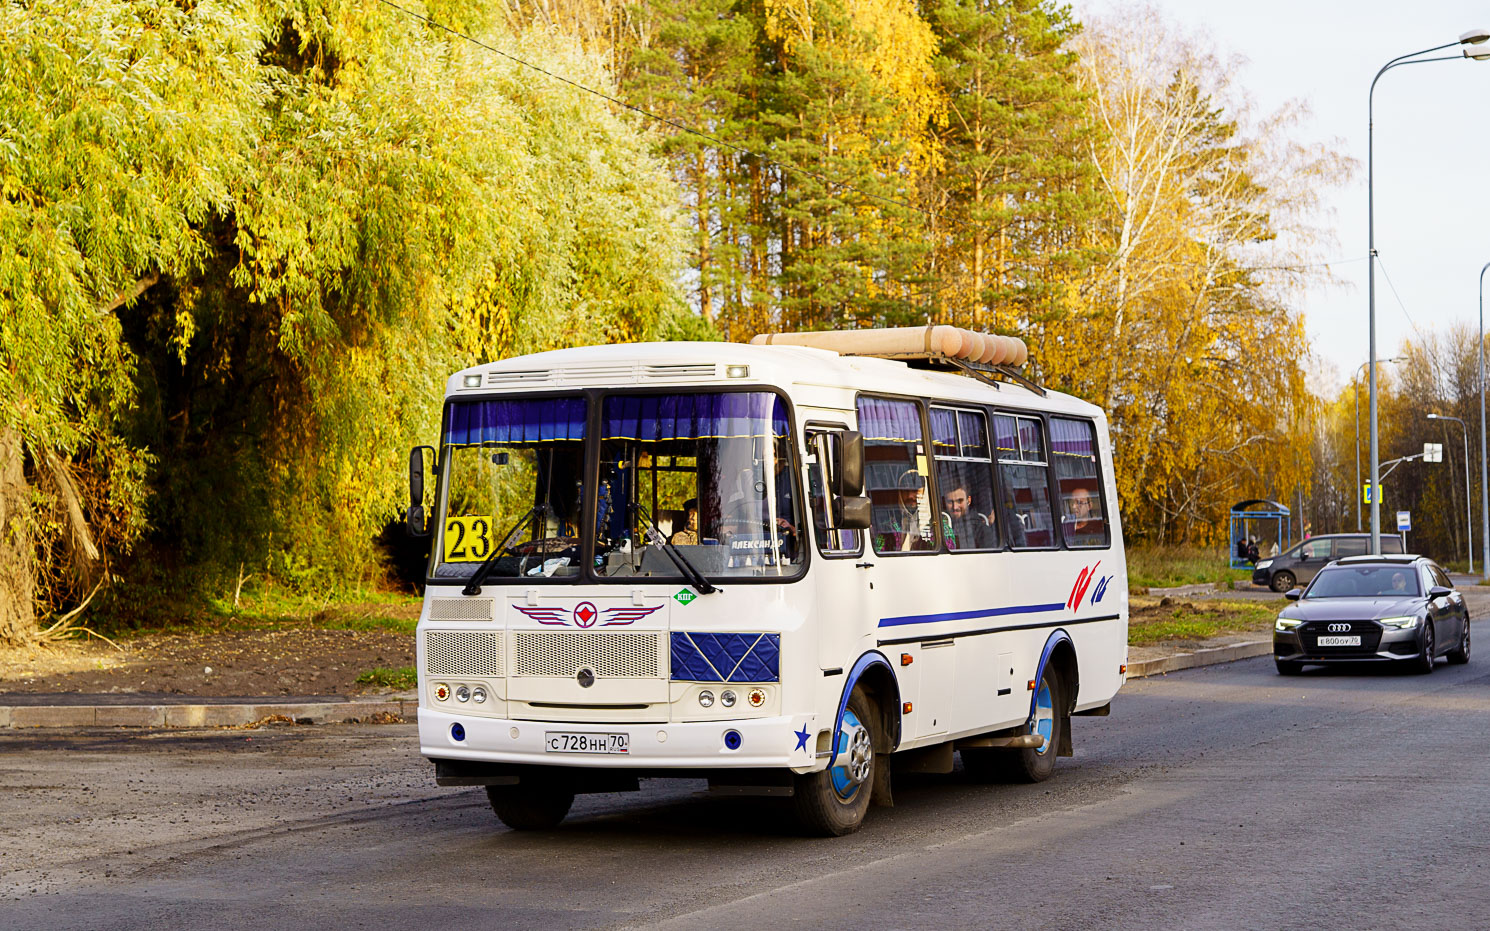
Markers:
point(529, 808)
point(1027, 764)
point(833, 802)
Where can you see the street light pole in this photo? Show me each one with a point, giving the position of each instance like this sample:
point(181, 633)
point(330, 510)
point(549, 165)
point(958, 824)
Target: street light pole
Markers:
point(1357, 382)
point(1484, 484)
point(1472, 37)
point(1468, 492)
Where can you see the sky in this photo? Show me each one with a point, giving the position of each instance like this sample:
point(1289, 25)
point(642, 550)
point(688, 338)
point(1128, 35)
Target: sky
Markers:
point(1432, 156)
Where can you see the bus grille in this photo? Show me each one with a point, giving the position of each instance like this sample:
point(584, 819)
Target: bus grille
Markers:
point(463, 653)
point(551, 653)
point(460, 609)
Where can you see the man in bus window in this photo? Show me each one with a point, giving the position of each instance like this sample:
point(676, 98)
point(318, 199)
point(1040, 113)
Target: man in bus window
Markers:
point(965, 528)
point(1081, 525)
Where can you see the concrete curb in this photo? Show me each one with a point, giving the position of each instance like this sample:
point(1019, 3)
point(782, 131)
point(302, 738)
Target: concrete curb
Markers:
point(1198, 588)
point(339, 712)
point(1209, 657)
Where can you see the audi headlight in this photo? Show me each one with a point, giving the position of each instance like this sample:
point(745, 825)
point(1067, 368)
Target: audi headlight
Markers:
point(1286, 623)
point(1398, 623)
point(1264, 564)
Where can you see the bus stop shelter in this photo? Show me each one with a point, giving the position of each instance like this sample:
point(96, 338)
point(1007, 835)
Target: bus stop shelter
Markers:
point(1268, 521)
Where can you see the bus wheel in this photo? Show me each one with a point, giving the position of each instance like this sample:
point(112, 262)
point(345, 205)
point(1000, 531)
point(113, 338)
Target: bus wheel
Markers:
point(833, 802)
point(529, 808)
point(1026, 764)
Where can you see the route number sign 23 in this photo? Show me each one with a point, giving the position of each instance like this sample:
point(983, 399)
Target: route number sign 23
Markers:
point(467, 539)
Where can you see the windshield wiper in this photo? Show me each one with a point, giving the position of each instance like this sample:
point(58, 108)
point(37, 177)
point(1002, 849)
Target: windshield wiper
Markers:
point(473, 587)
point(694, 577)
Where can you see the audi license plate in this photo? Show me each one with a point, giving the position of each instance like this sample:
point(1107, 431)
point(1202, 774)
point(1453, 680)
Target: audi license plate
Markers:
point(1353, 641)
point(573, 742)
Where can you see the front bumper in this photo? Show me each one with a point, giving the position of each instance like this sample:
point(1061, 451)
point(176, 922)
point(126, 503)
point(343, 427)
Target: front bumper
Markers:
point(764, 743)
point(1377, 645)
point(1262, 577)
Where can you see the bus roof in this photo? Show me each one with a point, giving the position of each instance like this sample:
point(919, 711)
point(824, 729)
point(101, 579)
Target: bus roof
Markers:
point(709, 364)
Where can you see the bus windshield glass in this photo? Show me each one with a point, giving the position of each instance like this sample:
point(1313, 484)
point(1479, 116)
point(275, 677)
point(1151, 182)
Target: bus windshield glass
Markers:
point(709, 473)
point(512, 486)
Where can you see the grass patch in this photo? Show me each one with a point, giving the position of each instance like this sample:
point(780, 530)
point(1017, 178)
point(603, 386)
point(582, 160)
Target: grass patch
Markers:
point(1168, 566)
point(400, 679)
point(1153, 623)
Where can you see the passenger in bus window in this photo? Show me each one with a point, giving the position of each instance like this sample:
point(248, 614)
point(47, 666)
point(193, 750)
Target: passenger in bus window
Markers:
point(688, 535)
point(1083, 527)
point(964, 527)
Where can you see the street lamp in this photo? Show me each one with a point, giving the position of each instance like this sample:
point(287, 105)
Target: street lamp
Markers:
point(1473, 43)
point(1357, 383)
point(1468, 491)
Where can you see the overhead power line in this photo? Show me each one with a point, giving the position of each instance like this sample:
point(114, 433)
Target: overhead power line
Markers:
point(681, 127)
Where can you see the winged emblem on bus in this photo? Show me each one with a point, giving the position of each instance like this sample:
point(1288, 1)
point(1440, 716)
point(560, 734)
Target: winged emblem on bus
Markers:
point(619, 617)
point(553, 616)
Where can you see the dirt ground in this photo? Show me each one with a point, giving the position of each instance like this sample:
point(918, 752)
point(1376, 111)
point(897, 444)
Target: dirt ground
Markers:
point(297, 661)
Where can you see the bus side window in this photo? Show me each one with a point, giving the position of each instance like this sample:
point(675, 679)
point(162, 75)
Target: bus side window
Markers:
point(895, 476)
point(964, 479)
point(1020, 443)
point(1073, 444)
point(823, 449)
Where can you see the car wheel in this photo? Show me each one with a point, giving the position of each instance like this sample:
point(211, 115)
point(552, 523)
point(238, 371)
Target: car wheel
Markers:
point(1281, 581)
point(1424, 663)
point(833, 802)
point(1460, 654)
point(1288, 667)
point(529, 808)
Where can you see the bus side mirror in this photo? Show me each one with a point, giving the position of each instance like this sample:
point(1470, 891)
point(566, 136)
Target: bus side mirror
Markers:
point(849, 482)
point(852, 513)
point(415, 519)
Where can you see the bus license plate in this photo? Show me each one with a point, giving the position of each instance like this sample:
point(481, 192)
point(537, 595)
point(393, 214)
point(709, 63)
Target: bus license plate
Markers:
point(573, 742)
point(1340, 641)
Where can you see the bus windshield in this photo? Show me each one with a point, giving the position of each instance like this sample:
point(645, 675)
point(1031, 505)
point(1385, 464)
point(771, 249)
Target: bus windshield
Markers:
point(512, 486)
point(708, 472)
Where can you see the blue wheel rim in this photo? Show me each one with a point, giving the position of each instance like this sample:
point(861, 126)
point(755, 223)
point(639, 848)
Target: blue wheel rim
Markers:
point(1044, 719)
point(845, 783)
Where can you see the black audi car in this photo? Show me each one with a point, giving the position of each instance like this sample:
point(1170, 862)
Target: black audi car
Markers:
point(1373, 608)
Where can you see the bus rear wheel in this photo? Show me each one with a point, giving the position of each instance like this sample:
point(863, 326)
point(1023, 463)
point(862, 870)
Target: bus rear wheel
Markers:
point(833, 802)
point(529, 808)
point(1027, 764)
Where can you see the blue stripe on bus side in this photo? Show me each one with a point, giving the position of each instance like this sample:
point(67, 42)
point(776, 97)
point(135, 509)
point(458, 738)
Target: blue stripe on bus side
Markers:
point(966, 615)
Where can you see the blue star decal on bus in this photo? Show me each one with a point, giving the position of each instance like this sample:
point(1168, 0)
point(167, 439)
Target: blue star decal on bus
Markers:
point(801, 738)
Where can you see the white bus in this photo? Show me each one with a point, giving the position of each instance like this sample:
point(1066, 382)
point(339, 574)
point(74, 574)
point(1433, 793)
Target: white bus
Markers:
point(775, 567)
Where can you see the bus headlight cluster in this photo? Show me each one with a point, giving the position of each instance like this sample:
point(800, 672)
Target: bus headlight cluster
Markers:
point(472, 694)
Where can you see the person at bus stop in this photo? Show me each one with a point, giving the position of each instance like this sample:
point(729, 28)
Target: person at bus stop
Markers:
point(1252, 553)
point(965, 528)
point(688, 535)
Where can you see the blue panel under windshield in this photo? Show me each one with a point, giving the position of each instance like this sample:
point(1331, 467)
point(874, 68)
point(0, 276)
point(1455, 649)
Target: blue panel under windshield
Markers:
point(538, 420)
point(657, 417)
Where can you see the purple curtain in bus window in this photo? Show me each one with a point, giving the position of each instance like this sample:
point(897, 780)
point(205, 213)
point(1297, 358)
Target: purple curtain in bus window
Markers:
point(944, 431)
point(655, 417)
point(974, 437)
point(884, 421)
point(1029, 440)
point(1072, 438)
point(537, 420)
point(1003, 435)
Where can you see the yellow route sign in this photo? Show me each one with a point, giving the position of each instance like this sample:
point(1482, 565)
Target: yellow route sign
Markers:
point(467, 539)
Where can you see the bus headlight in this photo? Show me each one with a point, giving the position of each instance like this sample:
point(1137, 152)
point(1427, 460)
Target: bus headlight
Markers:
point(706, 698)
point(1286, 623)
point(727, 698)
point(478, 695)
point(462, 694)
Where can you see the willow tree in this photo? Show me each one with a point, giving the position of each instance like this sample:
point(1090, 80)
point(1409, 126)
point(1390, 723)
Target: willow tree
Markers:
point(242, 242)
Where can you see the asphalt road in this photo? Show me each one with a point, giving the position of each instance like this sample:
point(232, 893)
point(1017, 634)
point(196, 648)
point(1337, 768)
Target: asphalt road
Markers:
point(1223, 797)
